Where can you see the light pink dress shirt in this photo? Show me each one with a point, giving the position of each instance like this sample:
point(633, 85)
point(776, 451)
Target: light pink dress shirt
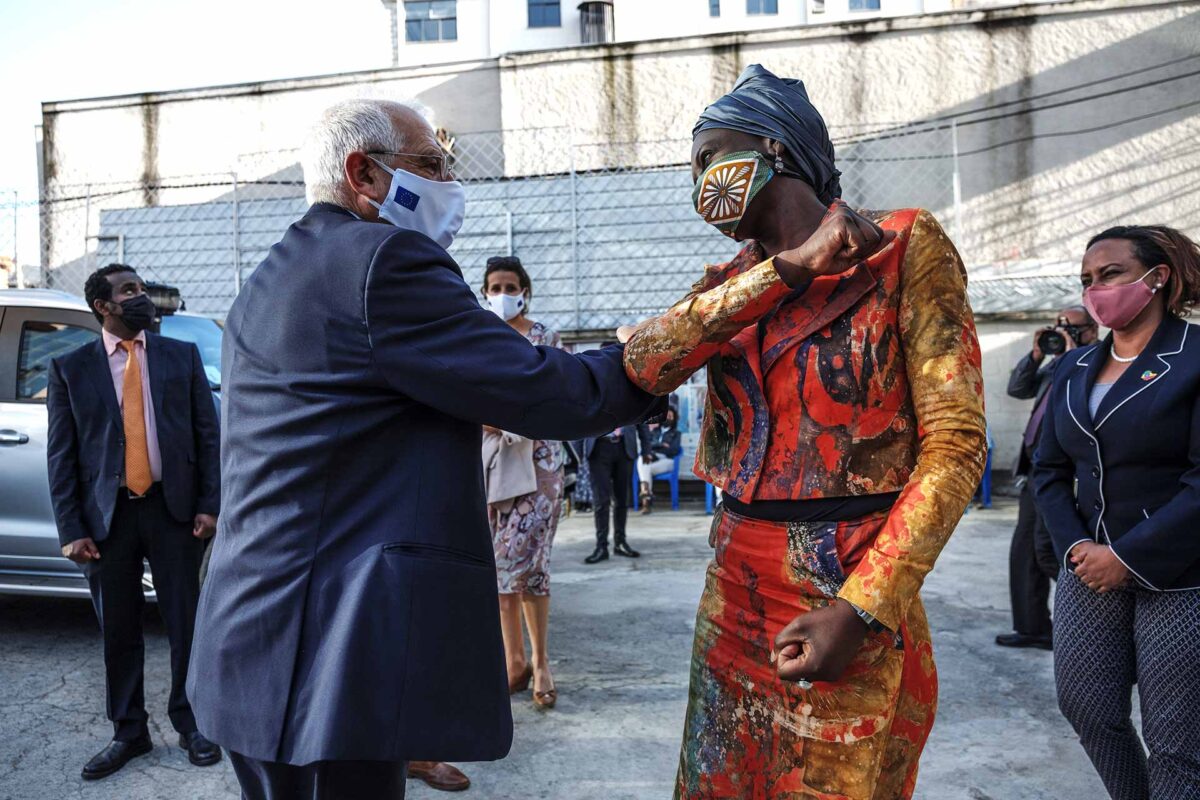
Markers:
point(116, 364)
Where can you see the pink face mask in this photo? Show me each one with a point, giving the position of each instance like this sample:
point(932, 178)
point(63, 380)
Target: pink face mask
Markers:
point(1116, 306)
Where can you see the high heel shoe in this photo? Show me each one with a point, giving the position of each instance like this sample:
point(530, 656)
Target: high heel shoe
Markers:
point(522, 681)
point(544, 701)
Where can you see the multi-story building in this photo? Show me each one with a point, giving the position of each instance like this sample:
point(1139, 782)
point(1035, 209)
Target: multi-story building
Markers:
point(442, 31)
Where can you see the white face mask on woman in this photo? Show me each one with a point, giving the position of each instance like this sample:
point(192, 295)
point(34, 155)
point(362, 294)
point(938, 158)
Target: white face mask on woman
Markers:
point(507, 306)
point(434, 208)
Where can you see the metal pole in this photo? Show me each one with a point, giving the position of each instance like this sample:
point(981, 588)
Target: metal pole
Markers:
point(574, 236)
point(237, 244)
point(958, 213)
point(509, 230)
point(16, 233)
point(87, 228)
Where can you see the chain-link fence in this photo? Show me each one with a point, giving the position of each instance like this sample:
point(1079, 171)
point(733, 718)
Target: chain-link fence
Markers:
point(606, 229)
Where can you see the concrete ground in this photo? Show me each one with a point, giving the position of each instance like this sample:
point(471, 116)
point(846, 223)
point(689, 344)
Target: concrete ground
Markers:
point(621, 639)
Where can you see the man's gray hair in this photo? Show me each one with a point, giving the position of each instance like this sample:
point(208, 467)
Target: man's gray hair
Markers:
point(360, 125)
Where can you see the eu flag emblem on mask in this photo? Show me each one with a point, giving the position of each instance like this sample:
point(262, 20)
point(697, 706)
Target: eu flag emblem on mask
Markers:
point(406, 198)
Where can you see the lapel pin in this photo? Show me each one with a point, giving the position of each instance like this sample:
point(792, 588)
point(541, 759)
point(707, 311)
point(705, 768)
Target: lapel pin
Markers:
point(1149, 376)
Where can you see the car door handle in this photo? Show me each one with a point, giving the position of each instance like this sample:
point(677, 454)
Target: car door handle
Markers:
point(13, 437)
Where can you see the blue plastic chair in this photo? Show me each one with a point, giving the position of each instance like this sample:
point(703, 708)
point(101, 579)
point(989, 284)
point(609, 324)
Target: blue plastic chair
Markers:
point(710, 498)
point(984, 492)
point(672, 477)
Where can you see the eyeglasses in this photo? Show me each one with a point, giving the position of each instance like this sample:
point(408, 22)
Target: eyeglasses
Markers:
point(437, 165)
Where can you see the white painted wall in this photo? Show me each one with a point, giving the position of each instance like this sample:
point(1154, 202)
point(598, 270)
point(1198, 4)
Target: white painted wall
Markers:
point(489, 28)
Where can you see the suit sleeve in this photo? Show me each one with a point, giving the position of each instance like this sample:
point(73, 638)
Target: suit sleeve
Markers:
point(1154, 550)
point(1023, 381)
point(1054, 482)
point(643, 434)
point(943, 364)
point(207, 434)
point(431, 341)
point(62, 460)
point(665, 351)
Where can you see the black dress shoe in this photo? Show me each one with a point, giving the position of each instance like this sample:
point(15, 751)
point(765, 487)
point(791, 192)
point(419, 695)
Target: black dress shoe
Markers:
point(201, 751)
point(115, 756)
point(598, 555)
point(1025, 640)
point(623, 549)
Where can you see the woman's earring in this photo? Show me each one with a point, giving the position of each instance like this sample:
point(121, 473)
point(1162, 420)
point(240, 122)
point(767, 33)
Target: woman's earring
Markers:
point(779, 164)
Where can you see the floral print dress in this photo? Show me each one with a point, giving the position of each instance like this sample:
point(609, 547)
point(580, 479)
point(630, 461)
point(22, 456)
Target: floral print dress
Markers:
point(522, 537)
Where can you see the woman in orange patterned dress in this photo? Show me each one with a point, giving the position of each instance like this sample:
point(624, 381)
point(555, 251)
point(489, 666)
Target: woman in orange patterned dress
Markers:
point(844, 425)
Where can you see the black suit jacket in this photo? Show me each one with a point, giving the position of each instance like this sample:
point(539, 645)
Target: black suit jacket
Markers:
point(1136, 466)
point(1030, 381)
point(634, 438)
point(86, 436)
point(350, 610)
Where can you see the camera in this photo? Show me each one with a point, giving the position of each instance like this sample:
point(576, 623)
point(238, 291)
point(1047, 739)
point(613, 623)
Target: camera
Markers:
point(1052, 343)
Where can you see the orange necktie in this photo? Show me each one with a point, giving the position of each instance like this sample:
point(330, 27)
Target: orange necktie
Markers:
point(137, 454)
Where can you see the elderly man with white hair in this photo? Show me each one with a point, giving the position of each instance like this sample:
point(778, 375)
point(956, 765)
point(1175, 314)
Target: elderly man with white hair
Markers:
point(350, 622)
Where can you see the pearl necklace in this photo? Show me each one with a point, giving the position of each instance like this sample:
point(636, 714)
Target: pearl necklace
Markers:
point(1118, 358)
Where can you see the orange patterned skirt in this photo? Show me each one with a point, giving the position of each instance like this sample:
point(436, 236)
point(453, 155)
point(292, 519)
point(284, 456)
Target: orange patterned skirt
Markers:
point(749, 735)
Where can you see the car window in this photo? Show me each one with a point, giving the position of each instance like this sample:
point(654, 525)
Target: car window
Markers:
point(41, 342)
point(204, 333)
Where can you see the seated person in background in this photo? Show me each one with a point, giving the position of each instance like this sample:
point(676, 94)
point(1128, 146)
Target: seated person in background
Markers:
point(659, 459)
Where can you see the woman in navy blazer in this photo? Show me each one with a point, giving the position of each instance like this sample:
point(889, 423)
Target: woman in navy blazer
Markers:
point(1117, 479)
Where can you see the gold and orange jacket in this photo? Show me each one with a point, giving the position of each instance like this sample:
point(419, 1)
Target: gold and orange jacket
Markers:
point(861, 383)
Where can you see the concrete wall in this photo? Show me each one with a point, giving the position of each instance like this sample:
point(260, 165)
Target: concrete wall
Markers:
point(1003, 344)
point(1034, 185)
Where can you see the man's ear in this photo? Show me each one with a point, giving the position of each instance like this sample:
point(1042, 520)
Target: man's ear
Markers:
point(364, 178)
point(100, 307)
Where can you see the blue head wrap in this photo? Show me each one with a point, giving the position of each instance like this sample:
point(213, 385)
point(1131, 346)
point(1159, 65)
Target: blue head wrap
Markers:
point(763, 105)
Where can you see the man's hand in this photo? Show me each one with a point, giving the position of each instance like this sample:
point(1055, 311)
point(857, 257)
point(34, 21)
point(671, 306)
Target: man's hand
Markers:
point(204, 526)
point(1038, 355)
point(625, 333)
point(1098, 567)
point(82, 550)
point(819, 645)
point(647, 459)
point(843, 239)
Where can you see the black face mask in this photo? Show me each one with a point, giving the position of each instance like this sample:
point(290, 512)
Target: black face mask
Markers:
point(138, 313)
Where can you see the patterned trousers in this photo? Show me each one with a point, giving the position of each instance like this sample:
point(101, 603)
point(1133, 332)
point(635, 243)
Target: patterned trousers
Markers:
point(1103, 644)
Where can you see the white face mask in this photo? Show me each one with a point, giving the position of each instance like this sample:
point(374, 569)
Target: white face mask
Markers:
point(434, 208)
point(507, 306)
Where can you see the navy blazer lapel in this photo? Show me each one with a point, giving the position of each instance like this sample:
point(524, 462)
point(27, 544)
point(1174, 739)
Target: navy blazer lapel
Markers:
point(1080, 382)
point(101, 375)
point(1149, 368)
point(157, 369)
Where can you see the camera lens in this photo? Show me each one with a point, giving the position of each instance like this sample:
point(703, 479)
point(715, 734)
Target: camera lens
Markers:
point(1052, 343)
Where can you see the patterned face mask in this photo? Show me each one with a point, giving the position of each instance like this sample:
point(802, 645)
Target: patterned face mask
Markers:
point(726, 188)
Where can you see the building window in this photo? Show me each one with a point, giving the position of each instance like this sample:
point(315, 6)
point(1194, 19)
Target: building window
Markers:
point(864, 5)
point(818, 6)
point(714, 8)
point(430, 20)
point(545, 13)
point(762, 6)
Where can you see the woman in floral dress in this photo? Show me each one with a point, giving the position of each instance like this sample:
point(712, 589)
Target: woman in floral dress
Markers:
point(523, 528)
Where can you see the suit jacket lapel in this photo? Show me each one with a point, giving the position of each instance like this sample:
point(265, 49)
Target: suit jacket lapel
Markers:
point(157, 370)
point(823, 301)
point(101, 375)
point(1079, 386)
point(1149, 368)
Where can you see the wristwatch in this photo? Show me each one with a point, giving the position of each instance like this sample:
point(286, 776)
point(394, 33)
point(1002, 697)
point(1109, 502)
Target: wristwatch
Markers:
point(874, 625)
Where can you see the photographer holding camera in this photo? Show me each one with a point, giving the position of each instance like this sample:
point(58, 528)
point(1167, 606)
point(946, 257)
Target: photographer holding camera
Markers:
point(1031, 560)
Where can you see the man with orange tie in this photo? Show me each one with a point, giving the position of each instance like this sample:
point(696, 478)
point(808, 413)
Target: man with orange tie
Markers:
point(133, 452)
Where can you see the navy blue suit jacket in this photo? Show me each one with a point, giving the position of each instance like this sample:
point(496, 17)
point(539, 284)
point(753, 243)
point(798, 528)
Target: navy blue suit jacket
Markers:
point(1137, 463)
point(85, 441)
point(631, 439)
point(350, 610)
